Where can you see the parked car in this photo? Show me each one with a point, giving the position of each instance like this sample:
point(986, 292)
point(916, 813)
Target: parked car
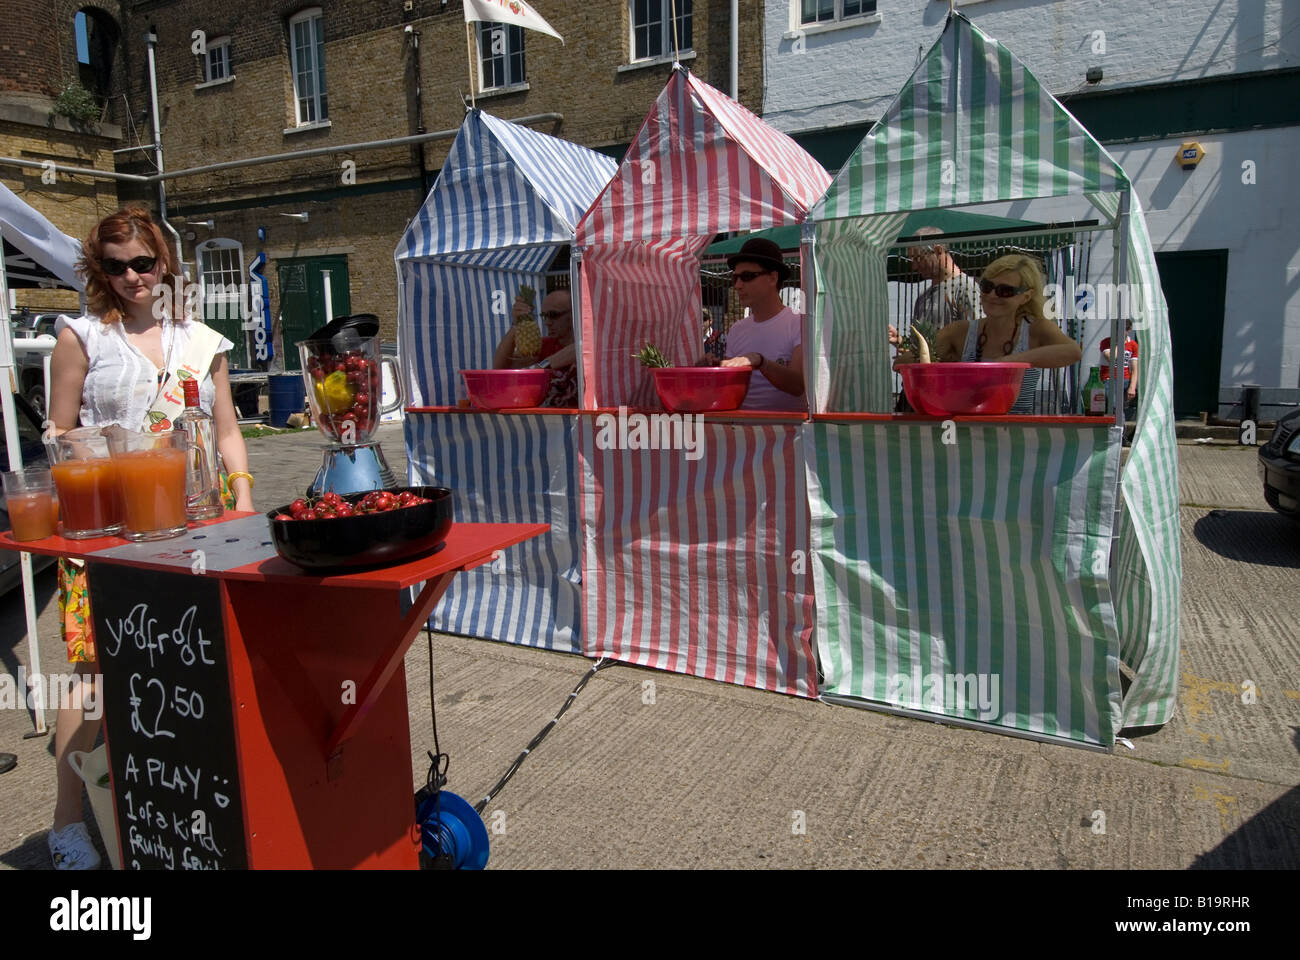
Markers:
point(34, 455)
point(31, 367)
point(1279, 467)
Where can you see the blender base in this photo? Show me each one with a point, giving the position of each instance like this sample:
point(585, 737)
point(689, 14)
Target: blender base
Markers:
point(352, 469)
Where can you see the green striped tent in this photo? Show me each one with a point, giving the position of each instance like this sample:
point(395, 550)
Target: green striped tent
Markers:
point(985, 549)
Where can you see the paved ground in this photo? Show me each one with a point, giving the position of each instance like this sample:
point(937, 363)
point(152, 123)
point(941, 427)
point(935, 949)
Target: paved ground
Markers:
point(713, 775)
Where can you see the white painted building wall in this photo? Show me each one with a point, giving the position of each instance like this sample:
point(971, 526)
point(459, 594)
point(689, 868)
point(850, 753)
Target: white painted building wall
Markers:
point(1211, 208)
point(821, 78)
point(824, 76)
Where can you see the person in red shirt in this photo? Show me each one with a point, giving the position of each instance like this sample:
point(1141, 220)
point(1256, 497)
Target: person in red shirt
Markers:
point(1130, 366)
point(557, 349)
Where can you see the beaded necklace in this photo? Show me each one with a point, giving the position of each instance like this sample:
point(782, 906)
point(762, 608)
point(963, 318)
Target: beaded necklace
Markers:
point(1006, 347)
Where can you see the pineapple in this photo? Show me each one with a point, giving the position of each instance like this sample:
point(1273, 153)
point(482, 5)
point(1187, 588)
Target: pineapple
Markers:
point(918, 341)
point(651, 356)
point(528, 336)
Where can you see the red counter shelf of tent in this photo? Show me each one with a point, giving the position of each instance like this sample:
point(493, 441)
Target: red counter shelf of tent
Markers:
point(326, 783)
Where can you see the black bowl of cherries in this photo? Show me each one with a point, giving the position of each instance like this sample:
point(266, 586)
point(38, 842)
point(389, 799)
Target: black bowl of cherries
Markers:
point(377, 528)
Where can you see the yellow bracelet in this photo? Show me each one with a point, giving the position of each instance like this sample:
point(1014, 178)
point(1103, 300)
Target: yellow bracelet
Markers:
point(230, 478)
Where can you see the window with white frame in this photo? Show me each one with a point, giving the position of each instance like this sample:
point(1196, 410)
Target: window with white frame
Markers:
point(500, 55)
point(653, 28)
point(307, 61)
point(221, 279)
point(828, 11)
point(217, 63)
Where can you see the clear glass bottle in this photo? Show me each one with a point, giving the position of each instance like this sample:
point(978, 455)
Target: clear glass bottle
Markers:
point(202, 486)
point(1094, 395)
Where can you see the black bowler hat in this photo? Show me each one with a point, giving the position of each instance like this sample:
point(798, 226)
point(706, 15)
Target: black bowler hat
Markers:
point(763, 252)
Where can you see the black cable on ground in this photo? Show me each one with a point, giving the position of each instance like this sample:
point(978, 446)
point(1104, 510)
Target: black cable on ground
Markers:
point(439, 762)
point(533, 744)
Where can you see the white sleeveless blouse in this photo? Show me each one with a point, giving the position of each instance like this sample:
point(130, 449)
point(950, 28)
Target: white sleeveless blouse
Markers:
point(121, 382)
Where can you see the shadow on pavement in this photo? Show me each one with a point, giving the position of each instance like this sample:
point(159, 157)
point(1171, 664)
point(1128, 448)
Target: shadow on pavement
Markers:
point(1270, 840)
point(13, 619)
point(34, 853)
point(1250, 536)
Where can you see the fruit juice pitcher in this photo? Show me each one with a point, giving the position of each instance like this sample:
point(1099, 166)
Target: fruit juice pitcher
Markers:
point(85, 479)
point(343, 371)
point(151, 482)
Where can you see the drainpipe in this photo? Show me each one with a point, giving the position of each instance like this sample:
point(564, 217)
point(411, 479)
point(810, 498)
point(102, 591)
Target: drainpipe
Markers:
point(419, 107)
point(151, 39)
point(735, 50)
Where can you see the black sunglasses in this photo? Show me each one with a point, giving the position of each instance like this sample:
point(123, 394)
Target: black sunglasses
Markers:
point(115, 268)
point(1003, 290)
point(749, 276)
point(555, 314)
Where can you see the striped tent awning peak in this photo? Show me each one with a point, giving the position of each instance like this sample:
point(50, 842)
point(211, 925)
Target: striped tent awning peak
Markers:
point(503, 185)
point(702, 164)
point(971, 125)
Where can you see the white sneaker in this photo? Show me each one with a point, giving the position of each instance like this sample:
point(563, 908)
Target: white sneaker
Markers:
point(71, 848)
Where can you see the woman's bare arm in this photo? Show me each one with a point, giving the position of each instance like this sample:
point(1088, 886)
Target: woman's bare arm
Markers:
point(230, 442)
point(1049, 347)
point(68, 367)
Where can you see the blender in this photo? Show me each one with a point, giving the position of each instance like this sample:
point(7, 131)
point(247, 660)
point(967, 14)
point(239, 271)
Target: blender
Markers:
point(342, 367)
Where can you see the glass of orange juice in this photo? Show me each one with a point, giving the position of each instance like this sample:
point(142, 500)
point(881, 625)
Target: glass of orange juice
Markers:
point(86, 482)
point(151, 482)
point(28, 493)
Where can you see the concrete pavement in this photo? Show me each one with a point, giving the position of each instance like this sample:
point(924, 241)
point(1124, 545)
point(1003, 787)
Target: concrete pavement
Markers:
point(717, 776)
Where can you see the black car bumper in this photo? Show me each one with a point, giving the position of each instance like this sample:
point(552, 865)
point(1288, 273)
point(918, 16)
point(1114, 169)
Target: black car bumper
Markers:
point(1281, 479)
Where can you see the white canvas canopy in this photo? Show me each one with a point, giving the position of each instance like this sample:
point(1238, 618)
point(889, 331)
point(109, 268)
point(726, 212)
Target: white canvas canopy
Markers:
point(36, 252)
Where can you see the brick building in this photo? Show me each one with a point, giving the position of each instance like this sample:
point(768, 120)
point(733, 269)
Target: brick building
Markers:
point(270, 78)
point(39, 59)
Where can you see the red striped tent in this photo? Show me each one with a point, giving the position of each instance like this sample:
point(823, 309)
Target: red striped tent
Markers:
point(690, 565)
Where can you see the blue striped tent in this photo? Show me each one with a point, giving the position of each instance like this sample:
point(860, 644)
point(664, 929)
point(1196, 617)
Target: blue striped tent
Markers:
point(504, 205)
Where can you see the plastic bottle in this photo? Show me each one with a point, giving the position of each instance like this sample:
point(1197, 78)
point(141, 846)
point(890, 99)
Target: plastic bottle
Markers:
point(1094, 395)
point(202, 486)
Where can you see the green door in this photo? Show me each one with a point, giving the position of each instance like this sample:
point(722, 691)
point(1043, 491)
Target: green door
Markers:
point(302, 298)
point(1195, 285)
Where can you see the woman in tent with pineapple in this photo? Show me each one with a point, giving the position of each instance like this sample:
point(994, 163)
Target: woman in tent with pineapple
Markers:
point(524, 346)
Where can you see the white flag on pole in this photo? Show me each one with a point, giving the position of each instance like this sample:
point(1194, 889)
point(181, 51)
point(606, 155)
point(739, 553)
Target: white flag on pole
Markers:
point(514, 12)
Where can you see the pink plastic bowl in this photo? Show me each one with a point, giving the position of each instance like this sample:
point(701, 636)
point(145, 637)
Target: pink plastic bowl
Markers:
point(506, 389)
point(955, 389)
point(701, 389)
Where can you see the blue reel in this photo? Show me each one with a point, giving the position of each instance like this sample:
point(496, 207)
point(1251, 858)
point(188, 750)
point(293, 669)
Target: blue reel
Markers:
point(450, 828)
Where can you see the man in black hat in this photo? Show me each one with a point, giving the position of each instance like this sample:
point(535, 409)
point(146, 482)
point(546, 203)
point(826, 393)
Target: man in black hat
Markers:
point(770, 338)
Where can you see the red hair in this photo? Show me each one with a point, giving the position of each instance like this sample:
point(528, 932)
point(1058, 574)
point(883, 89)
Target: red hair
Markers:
point(130, 223)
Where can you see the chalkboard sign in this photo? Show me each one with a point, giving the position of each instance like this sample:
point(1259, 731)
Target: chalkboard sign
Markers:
point(171, 735)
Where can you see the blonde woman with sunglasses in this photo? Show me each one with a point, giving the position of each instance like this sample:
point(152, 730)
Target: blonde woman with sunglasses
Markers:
point(1014, 328)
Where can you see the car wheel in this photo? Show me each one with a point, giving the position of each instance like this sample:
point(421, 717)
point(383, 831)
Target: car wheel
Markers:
point(36, 397)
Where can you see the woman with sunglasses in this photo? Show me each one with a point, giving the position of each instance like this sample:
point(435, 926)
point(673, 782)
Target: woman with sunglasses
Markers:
point(109, 367)
point(1014, 328)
